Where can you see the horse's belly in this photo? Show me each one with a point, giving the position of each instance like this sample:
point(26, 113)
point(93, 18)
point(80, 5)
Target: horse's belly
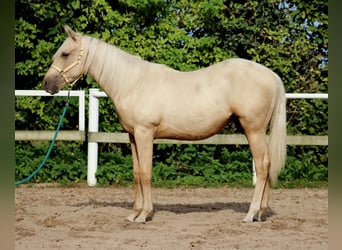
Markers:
point(188, 128)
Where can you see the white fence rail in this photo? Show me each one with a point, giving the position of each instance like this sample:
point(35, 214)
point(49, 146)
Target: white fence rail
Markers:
point(94, 136)
point(48, 135)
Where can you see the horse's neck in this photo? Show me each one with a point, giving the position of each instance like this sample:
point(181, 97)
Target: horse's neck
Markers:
point(113, 69)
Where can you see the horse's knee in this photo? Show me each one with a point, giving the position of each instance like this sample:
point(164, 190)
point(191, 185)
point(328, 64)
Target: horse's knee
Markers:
point(142, 177)
point(145, 177)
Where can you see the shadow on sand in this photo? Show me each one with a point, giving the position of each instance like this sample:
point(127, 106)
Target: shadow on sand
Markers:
point(180, 208)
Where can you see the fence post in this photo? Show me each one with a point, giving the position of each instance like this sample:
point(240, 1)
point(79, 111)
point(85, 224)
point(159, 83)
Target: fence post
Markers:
point(92, 146)
point(81, 109)
point(254, 173)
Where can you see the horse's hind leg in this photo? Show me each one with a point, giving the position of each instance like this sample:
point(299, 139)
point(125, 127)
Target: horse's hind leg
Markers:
point(265, 198)
point(258, 145)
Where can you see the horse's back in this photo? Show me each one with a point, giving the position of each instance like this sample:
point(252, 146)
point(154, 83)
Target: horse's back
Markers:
point(234, 80)
point(241, 74)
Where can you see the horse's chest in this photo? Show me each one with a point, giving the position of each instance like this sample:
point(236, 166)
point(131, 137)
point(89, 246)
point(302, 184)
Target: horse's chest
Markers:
point(133, 114)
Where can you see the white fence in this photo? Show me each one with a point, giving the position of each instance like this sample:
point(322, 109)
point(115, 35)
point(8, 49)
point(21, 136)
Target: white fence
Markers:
point(94, 136)
point(26, 135)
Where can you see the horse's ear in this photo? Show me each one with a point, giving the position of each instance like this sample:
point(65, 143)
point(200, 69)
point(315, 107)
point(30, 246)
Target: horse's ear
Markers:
point(70, 32)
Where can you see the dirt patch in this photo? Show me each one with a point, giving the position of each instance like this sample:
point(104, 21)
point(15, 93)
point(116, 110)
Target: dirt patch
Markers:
point(48, 217)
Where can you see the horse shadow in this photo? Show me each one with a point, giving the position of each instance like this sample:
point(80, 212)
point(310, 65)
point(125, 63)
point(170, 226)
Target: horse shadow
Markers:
point(181, 208)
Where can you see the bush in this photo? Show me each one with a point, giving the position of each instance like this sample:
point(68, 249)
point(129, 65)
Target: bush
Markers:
point(173, 165)
point(67, 161)
point(306, 163)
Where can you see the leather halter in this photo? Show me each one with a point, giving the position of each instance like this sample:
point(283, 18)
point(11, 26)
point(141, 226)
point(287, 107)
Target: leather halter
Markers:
point(62, 72)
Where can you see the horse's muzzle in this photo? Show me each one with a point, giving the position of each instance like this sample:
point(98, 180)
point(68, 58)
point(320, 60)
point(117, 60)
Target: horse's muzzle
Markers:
point(50, 87)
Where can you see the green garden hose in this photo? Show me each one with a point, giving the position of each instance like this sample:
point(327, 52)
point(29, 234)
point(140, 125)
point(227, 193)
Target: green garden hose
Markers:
point(50, 147)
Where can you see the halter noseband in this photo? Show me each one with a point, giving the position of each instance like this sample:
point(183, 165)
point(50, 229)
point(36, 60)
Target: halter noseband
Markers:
point(63, 71)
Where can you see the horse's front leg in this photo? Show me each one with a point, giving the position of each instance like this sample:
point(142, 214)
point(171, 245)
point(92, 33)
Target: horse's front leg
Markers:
point(138, 195)
point(144, 147)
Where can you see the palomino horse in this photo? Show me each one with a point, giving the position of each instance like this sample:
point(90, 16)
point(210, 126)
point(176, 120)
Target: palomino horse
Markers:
point(155, 101)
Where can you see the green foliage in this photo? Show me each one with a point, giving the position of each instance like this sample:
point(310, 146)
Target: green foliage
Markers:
point(66, 162)
point(289, 37)
point(309, 165)
point(213, 165)
point(114, 167)
point(42, 113)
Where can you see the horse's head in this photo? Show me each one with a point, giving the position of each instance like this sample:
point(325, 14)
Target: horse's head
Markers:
point(66, 68)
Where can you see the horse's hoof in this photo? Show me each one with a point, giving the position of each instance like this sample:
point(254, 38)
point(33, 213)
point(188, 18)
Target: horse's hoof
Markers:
point(141, 219)
point(144, 216)
point(254, 218)
point(131, 217)
point(248, 218)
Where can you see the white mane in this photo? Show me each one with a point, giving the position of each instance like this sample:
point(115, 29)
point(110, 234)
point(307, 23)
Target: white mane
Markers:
point(111, 67)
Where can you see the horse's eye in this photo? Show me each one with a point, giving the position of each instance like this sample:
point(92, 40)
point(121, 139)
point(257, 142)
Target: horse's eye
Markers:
point(65, 54)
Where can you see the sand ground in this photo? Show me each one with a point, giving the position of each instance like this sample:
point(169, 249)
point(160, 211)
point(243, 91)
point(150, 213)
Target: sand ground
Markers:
point(82, 217)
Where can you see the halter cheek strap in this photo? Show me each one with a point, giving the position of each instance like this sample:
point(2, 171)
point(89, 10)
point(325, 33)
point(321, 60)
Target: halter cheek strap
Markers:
point(63, 72)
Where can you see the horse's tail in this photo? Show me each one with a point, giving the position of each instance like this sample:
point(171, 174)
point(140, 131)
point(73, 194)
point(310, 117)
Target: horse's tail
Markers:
point(277, 142)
